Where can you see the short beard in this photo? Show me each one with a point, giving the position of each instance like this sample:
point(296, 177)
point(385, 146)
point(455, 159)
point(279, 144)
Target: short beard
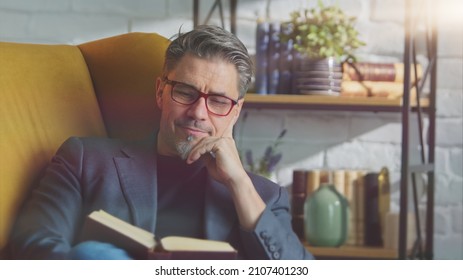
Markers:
point(184, 149)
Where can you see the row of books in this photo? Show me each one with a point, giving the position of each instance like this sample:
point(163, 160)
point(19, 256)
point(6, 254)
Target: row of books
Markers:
point(368, 195)
point(276, 62)
point(273, 60)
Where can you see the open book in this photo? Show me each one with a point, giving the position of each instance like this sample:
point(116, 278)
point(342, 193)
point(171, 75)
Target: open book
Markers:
point(142, 244)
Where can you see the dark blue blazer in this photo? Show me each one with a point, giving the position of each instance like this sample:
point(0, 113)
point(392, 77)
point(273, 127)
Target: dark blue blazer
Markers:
point(88, 174)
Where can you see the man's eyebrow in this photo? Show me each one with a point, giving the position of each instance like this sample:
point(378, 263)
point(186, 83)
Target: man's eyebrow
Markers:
point(209, 92)
point(218, 93)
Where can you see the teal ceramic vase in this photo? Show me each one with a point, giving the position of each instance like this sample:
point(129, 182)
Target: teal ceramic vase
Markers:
point(326, 216)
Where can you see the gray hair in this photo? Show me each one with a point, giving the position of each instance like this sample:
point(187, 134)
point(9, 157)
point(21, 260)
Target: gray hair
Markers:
point(208, 41)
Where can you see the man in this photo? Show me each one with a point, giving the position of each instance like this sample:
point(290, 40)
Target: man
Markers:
point(188, 180)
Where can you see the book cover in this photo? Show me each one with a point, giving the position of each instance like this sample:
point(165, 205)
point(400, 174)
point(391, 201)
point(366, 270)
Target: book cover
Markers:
point(373, 234)
point(313, 181)
point(360, 205)
point(339, 181)
point(142, 244)
point(350, 182)
point(384, 197)
point(297, 202)
point(261, 65)
point(273, 71)
point(285, 62)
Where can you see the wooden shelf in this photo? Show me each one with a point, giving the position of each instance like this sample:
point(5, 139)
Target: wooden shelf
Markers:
point(322, 102)
point(352, 252)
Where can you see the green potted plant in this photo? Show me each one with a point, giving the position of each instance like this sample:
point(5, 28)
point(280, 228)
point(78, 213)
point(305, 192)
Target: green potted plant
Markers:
point(323, 37)
point(322, 32)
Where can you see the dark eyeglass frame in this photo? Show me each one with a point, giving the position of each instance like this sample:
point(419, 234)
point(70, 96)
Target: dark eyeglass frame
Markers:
point(172, 83)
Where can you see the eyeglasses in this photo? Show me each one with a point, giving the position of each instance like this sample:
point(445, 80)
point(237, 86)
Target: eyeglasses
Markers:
point(187, 95)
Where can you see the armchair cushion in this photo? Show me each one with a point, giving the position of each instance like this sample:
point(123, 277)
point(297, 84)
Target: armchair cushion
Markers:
point(124, 70)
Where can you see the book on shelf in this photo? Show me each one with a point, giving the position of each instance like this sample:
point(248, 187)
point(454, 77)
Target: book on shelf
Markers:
point(339, 181)
point(313, 180)
point(273, 53)
point(359, 194)
point(373, 234)
point(142, 244)
point(384, 198)
point(386, 72)
point(305, 182)
point(298, 196)
point(285, 62)
point(388, 90)
point(350, 184)
point(261, 58)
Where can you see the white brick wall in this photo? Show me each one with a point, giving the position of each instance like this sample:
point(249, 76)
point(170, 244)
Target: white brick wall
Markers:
point(449, 182)
point(314, 139)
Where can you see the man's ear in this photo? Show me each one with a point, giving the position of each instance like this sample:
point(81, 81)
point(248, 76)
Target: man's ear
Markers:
point(237, 110)
point(159, 89)
point(235, 117)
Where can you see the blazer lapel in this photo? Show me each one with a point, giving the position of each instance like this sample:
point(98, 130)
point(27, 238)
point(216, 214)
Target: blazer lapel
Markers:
point(219, 212)
point(137, 174)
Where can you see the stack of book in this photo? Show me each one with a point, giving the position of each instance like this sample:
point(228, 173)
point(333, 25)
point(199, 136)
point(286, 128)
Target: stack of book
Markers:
point(368, 79)
point(368, 195)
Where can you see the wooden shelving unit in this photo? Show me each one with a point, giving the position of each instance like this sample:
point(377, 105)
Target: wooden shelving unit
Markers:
point(405, 106)
point(339, 103)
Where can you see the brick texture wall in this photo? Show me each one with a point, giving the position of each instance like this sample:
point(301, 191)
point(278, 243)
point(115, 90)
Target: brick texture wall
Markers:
point(315, 139)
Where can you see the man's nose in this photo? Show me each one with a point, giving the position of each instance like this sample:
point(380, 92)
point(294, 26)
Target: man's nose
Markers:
point(198, 110)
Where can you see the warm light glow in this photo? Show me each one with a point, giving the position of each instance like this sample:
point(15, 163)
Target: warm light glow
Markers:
point(450, 14)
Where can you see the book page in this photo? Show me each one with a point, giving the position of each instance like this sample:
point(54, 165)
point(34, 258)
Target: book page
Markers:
point(179, 243)
point(142, 236)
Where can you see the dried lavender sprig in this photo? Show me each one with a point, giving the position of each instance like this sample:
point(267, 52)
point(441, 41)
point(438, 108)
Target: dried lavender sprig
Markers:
point(273, 162)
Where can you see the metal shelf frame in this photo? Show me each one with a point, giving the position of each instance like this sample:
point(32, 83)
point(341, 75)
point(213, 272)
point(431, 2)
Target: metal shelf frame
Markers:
point(216, 5)
point(417, 12)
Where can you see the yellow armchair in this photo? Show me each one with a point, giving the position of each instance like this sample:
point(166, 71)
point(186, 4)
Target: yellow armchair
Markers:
point(51, 92)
